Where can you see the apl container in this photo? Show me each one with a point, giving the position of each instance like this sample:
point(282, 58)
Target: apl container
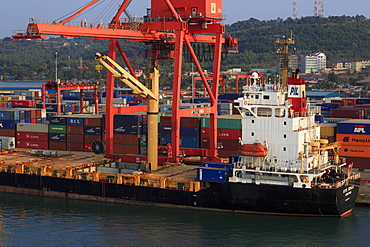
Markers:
point(361, 127)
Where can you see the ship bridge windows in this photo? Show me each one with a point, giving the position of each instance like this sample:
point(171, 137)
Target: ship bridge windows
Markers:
point(267, 97)
point(279, 112)
point(264, 112)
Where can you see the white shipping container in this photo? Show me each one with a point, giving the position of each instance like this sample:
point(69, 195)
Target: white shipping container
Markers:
point(7, 143)
point(32, 127)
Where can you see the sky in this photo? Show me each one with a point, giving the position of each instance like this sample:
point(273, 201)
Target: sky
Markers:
point(15, 14)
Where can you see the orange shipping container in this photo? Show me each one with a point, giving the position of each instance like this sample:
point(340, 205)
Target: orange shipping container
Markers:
point(355, 151)
point(354, 140)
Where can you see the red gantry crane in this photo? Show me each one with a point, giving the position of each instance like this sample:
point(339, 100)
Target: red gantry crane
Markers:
point(170, 27)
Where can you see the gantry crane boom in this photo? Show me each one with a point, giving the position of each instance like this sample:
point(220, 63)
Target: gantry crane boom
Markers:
point(151, 94)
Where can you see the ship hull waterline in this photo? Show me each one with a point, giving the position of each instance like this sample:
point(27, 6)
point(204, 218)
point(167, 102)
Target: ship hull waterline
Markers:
point(228, 197)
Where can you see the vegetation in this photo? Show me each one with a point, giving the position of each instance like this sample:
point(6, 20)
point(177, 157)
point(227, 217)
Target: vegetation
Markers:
point(341, 38)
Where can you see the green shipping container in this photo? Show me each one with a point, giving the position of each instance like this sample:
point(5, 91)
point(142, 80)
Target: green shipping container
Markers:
point(224, 122)
point(57, 129)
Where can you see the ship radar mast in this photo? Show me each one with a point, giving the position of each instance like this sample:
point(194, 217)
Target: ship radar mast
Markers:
point(284, 53)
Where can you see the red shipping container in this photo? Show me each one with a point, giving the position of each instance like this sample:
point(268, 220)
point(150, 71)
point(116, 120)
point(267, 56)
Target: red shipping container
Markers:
point(226, 153)
point(204, 143)
point(75, 138)
point(354, 113)
point(23, 103)
point(340, 102)
point(3, 105)
point(125, 149)
point(359, 162)
point(72, 129)
point(190, 122)
point(33, 114)
point(58, 146)
point(350, 101)
point(32, 144)
point(32, 136)
point(87, 148)
point(165, 121)
point(8, 132)
point(126, 139)
point(232, 134)
point(71, 146)
point(89, 139)
point(93, 121)
point(38, 113)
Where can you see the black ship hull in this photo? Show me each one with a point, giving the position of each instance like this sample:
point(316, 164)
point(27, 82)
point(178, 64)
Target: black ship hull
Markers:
point(235, 197)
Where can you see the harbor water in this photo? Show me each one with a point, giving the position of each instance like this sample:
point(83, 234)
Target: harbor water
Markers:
point(41, 221)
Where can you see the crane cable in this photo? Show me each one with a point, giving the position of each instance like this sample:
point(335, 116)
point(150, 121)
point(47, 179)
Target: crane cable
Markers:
point(77, 9)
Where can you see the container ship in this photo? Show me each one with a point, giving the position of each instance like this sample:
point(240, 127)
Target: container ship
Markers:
point(268, 159)
point(281, 166)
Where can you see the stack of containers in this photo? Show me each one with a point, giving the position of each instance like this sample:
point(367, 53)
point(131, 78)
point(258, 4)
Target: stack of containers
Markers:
point(8, 122)
point(57, 133)
point(228, 133)
point(93, 131)
point(32, 135)
point(127, 133)
point(355, 138)
point(189, 131)
point(4, 102)
point(75, 133)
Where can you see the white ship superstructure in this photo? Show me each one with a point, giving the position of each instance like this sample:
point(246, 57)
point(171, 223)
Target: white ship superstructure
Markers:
point(277, 121)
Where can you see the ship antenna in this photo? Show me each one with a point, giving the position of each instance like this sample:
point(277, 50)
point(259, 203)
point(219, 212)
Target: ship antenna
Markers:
point(285, 55)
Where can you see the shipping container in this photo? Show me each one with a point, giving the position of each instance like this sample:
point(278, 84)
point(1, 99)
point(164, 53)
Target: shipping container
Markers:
point(328, 130)
point(224, 122)
point(57, 137)
point(353, 139)
point(9, 114)
point(7, 143)
point(74, 121)
point(75, 129)
point(223, 133)
point(354, 151)
point(32, 144)
point(361, 101)
point(76, 138)
point(189, 142)
point(126, 139)
point(354, 127)
point(75, 146)
point(354, 113)
point(126, 149)
point(23, 103)
point(127, 119)
point(93, 121)
point(33, 127)
point(334, 120)
point(122, 128)
point(223, 153)
point(359, 162)
point(350, 101)
point(8, 132)
point(58, 146)
point(92, 130)
point(218, 165)
point(32, 136)
point(8, 124)
point(216, 175)
point(57, 129)
point(57, 120)
point(89, 139)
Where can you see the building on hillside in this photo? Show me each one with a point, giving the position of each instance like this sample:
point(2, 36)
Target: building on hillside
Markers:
point(313, 63)
point(293, 62)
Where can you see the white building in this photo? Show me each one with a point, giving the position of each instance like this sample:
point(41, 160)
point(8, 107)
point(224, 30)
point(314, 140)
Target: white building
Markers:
point(314, 63)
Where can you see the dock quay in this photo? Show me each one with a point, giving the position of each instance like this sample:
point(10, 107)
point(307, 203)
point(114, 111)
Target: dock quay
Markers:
point(364, 191)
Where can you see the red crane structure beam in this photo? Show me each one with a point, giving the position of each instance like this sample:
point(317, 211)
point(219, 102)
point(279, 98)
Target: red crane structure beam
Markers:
point(165, 27)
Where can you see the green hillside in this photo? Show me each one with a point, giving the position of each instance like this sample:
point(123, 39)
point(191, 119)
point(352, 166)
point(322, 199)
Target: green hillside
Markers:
point(341, 38)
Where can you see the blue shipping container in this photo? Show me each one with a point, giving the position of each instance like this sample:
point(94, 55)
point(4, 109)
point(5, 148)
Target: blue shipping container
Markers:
point(92, 130)
point(127, 129)
point(57, 137)
point(8, 124)
point(189, 142)
point(120, 119)
point(164, 140)
point(57, 120)
point(75, 121)
point(354, 127)
point(208, 174)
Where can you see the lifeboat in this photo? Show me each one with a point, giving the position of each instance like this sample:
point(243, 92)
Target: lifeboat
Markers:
point(255, 150)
